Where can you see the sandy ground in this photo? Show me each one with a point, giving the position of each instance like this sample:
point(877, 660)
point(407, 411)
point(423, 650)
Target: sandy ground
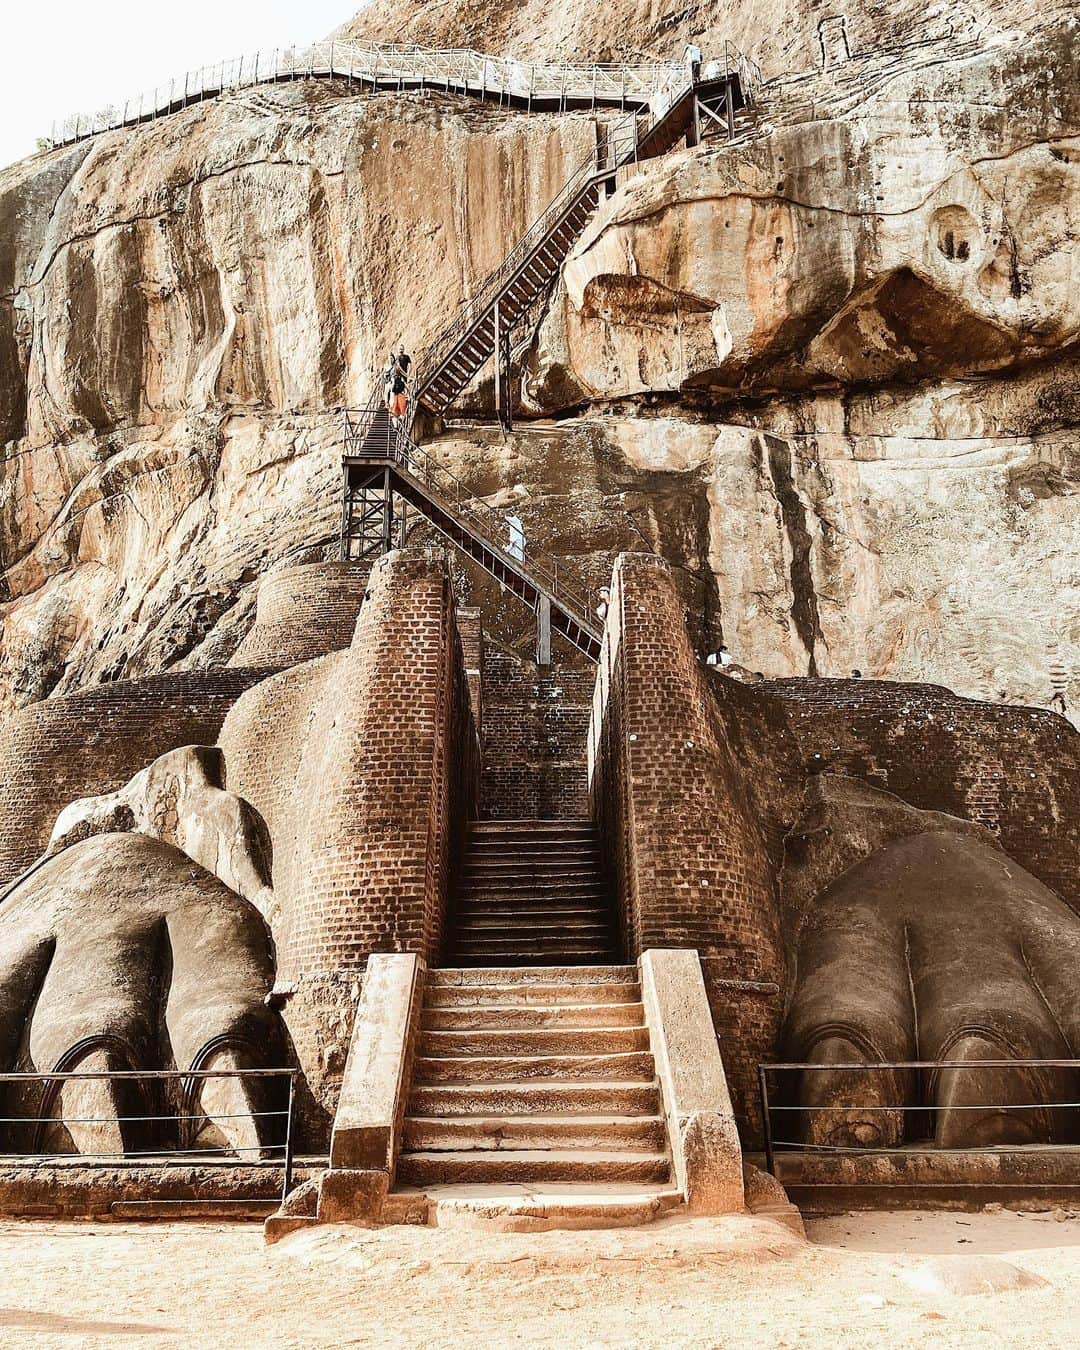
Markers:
point(862, 1280)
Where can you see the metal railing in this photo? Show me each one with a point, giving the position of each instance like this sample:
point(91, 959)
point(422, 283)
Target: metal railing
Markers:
point(909, 1108)
point(162, 1120)
point(619, 148)
point(387, 65)
point(483, 522)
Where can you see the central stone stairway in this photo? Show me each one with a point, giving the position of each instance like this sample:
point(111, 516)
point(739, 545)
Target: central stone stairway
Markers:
point(529, 1077)
point(532, 893)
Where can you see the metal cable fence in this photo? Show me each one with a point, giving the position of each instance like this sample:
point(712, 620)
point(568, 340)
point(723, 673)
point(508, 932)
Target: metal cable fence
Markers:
point(159, 1119)
point(387, 65)
point(899, 1110)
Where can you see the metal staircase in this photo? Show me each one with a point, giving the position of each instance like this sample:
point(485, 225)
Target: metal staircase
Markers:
point(484, 324)
point(385, 471)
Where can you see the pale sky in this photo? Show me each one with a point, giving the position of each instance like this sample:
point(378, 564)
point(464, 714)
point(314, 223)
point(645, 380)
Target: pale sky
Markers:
point(62, 57)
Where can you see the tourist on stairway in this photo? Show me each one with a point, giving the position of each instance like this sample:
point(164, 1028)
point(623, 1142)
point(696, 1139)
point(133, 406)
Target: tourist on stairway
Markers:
point(516, 543)
point(720, 657)
point(397, 382)
point(692, 59)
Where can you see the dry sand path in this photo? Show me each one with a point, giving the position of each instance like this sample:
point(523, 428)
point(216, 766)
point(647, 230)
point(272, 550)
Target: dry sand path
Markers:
point(863, 1280)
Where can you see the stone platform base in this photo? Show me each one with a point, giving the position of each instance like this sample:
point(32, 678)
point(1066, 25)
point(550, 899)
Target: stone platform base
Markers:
point(531, 1209)
point(1033, 1178)
point(65, 1190)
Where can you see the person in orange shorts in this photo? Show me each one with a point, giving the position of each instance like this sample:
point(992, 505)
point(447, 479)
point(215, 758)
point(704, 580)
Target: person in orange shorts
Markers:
point(397, 383)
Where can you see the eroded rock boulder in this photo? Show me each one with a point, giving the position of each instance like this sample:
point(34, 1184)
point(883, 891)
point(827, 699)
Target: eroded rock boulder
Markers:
point(179, 798)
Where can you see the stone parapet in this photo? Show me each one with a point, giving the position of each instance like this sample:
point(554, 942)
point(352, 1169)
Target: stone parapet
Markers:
point(702, 1135)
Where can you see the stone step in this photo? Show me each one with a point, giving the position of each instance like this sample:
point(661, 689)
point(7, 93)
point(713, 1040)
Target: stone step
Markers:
point(516, 1208)
point(533, 892)
point(526, 995)
point(512, 1016)
point(551, 912)
point(536, 825)
point(538, 1097)
point(526, 956)
point(496, 1133)
point(492, 851)
point(586, 927)
point(632, 1066)
point(514, 841)
point(529, 1165)
point(555, 941)
point(483, 869)
point(537, 843)
point(603, 973)
point(494, 1041)
point(532, 897)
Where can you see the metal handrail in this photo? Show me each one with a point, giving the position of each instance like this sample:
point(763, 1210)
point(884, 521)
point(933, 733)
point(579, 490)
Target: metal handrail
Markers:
point(460, 69)
point(484, 522)
point(280, 1153)
point(930, 1068)
point(620, 149)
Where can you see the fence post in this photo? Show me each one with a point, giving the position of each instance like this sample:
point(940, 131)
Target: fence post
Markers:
point(766, 1120)
point(286, 1182)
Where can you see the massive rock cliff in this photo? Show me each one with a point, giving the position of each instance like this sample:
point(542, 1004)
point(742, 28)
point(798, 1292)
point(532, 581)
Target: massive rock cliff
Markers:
point(829, 371)
point(185, 306)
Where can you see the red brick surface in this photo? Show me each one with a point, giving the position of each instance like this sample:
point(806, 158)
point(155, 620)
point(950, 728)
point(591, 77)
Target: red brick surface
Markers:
point(353, 760)
point(304, 612)
point(364, 765)
point(680, 774)
point(93, 741)
point(536, 722)
point(1014, 770)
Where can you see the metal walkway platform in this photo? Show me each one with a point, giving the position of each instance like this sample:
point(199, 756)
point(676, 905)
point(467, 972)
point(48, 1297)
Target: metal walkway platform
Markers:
point(384, 468)
point(533, 86)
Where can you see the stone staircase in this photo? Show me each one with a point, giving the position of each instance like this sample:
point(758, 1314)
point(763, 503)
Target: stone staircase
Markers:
point(532, 893)
point(535, 1076)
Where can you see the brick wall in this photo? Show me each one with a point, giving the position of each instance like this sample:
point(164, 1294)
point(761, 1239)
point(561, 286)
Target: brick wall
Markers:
point(1014, 770)
point(304, 612)
point(379, 838)
point(536, 723)
point(365, 766)
point(93, 741)
point(692, 780)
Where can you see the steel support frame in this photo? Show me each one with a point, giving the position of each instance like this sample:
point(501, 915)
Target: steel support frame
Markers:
point(370, 525)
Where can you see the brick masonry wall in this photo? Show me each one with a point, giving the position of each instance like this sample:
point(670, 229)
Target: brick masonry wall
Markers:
point(93, 741)
point(304, 612)
point(1014, 770)
point(536, 722)
point(691, 778)
point(365, 766)
point(378, 844)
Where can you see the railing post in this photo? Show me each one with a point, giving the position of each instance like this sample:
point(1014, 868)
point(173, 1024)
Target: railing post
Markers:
point(287, 1176)
point(766, 1119)
point(498, 365)
point(543, 630)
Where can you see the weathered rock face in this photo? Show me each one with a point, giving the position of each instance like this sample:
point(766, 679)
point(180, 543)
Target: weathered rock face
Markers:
point(837, 362)
point(907, 534)
point(935, 232)
point(184, 308)
point(782, 36)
